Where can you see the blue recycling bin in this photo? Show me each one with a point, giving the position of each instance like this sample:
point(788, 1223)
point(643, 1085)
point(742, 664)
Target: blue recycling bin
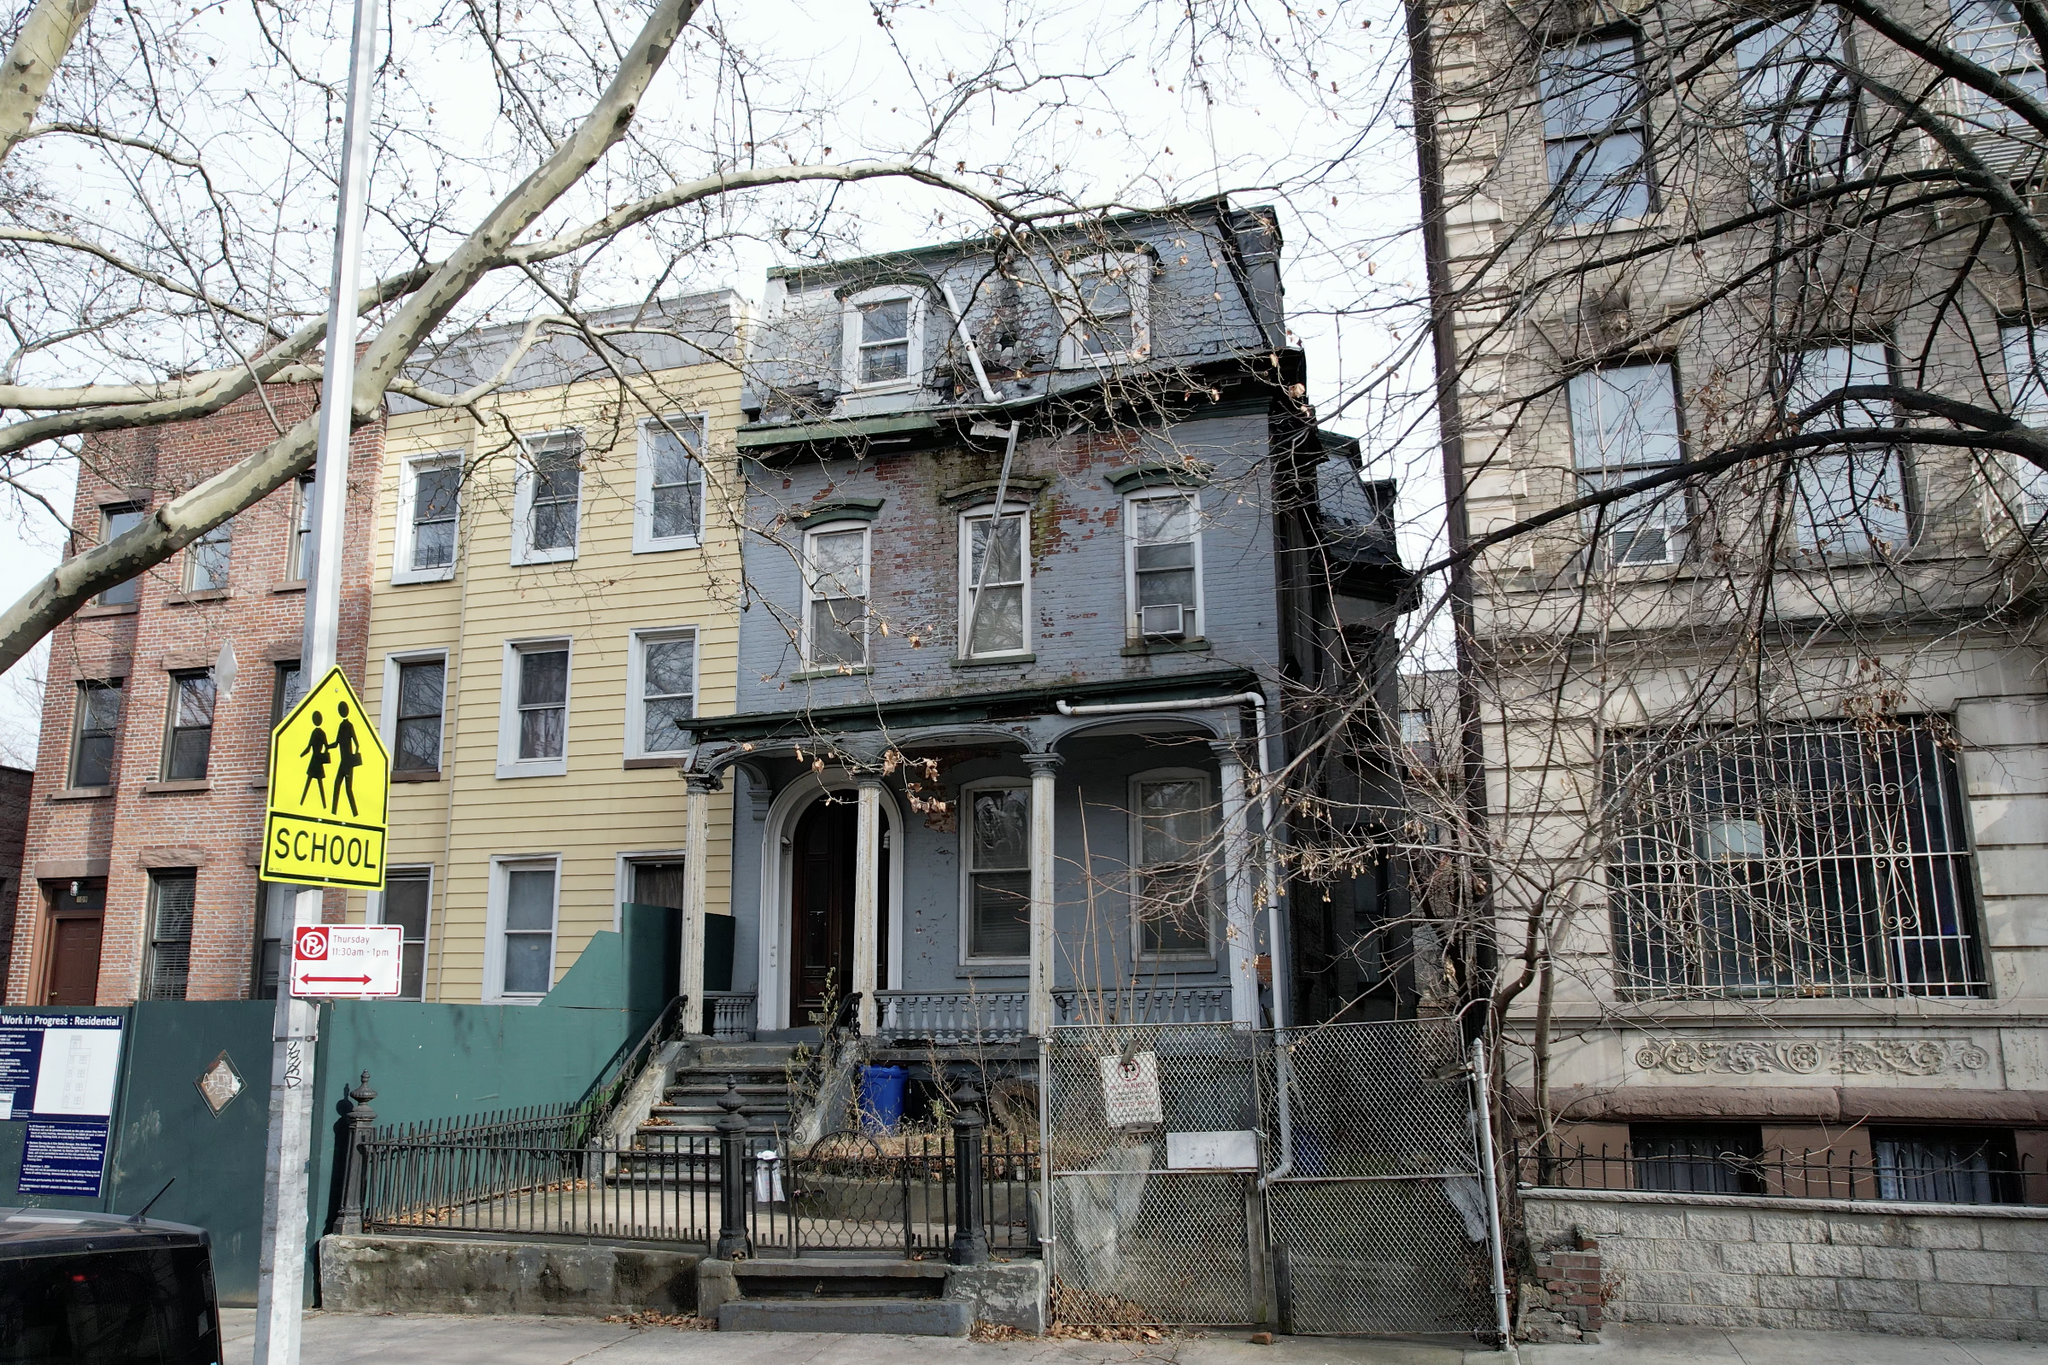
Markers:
point(881, 1097)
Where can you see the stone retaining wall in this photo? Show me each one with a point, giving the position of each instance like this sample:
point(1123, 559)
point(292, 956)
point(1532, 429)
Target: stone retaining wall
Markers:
point(385, 1274)
point(1753, 1261)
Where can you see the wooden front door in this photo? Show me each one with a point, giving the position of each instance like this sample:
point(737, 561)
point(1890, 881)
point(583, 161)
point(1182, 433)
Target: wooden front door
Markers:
point(821, 907)
point(75, 923)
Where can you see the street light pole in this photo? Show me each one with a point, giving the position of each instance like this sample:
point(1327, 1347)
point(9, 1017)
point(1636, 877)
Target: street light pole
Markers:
point(280, 1285)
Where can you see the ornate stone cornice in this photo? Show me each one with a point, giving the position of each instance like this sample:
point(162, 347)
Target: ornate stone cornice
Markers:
point(1810, 1056)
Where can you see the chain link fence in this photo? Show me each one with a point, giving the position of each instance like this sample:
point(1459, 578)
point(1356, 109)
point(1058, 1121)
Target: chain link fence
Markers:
point(1376, 1196)
point(1328, 1180)
point(1143, 1235)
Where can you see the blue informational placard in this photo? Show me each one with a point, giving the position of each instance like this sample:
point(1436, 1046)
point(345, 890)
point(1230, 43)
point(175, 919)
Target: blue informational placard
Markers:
point(88, 1092)
point(63, 1158)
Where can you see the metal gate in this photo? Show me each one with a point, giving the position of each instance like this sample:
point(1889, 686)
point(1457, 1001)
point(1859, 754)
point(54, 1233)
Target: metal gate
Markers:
point(1330, 1178)
point(1380, 1211)
point(1142, 1235)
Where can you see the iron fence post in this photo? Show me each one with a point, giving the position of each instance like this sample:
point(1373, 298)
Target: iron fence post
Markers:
point(970, 1237)
point(733, 1242)
point(349, 1219)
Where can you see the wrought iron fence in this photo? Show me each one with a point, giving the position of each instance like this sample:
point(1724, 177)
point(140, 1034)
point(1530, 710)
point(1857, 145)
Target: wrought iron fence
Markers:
point(542, 1172)
point(1786, 1174)
point(896, 1193)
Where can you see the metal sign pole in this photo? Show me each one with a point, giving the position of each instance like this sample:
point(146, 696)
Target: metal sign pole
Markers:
point(280, 1291)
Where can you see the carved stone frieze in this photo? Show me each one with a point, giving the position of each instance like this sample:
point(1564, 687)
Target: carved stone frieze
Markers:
point(1810, 1056)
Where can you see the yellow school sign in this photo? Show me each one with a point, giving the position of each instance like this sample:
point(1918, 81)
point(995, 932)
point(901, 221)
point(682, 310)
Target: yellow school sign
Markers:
point(330, 782)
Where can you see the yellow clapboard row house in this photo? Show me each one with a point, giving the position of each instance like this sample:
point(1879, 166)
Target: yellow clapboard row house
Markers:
point(555, 585)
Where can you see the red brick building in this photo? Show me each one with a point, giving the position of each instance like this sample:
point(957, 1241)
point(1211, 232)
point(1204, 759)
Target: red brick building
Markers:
point(14, 791)
point(139, 876)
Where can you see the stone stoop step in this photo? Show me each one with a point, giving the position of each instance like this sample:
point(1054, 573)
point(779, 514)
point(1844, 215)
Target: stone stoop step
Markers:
point(901, 1317)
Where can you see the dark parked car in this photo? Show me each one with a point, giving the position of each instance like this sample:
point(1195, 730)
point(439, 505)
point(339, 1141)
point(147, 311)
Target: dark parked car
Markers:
point(98, 1289)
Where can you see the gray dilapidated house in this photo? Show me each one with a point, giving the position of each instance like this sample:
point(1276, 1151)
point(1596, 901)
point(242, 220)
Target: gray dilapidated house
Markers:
point(1046, 560)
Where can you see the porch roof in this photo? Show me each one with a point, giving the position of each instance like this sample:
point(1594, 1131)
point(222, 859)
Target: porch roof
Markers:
point(965, 708)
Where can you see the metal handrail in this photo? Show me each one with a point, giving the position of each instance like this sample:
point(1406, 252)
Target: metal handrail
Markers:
point(601, 1102)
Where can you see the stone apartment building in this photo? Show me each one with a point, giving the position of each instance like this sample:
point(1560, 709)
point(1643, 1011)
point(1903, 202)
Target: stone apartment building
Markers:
point(139, 871)
point(1766, 744)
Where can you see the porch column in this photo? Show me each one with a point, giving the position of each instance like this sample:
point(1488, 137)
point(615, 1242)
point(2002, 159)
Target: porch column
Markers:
point(1040, 1007)
point(867, 918)
point(696, 840)
point(1240, 914)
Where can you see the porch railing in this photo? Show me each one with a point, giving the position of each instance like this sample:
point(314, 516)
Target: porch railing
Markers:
point(729, 1014)
point(956, 1017)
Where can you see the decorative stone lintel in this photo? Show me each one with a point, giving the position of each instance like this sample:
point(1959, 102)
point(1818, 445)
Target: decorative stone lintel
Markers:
point(1810, 1056)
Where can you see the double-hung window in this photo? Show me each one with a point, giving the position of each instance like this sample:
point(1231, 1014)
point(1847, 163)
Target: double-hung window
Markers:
point(2026, 378)
point(1815, 859)
point(1992, 34)
point(668, 505)
point(520, 962)
point(287, 686)
point(1799, 102)
point(277, 906)
point(533, 728)
point(206, 559)
point(1625, 427)
point(1850, 500)
point(189, 732)
point(547, 498)
point(1595, 134)
point(416, 725)
point(429, 516)
point(1163, 565)
point(998, 870)
point(92, 740)
point(661, 692)
point(116, 522)
point(405, 902)
point(1172, 899)
point(169, 963)
point(884, 338)
point(1106, 307)
point(835, 624)
point(995, 583)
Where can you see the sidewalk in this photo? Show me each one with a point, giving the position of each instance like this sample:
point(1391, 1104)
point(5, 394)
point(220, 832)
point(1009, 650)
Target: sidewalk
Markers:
point(349, 1339)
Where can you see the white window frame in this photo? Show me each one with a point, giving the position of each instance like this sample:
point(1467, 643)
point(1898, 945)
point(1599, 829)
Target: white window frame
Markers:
point(1139, 952)
point(867, 552)
point(1136, 267)
point(502, 865)
point(523, 550)
point(1595, 466)
point(850, 343)
point(298, 538)
point(1194, 501)
point(644, 540)
point(2005, 47)
point(376, 916)
point(2027, 399)
point(1813, 466)
point(967, 792)
point(510, 764)
point(636, 678)
point(402, 533)
point(387, 701)
point(1012, 511)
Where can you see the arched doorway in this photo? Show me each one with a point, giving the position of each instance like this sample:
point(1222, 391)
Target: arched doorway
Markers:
point(823, 855)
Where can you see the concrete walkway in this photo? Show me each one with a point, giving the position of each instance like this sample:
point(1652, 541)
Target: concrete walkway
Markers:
point(351, 1339)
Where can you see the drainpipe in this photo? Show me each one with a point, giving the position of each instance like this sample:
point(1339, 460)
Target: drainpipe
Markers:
point(1283, 1068)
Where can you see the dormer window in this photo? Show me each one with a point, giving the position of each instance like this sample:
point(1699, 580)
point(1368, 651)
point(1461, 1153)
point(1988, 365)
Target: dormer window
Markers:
point(884, 338)
point(1106, 308)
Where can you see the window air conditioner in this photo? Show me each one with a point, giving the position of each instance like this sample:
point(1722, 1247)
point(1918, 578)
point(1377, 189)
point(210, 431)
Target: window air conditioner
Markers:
point(1168, 622)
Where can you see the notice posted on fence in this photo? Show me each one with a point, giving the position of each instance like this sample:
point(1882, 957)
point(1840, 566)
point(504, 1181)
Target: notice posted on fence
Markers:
point(63, 1158)
point(1130, 1090)
point(58, 1065)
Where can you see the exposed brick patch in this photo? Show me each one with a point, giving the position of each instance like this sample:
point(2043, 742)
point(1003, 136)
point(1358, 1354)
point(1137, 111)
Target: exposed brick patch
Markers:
point(1562, 1298)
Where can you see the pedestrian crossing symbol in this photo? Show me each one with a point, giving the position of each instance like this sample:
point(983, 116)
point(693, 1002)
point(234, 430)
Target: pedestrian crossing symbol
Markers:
point(330, 780)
